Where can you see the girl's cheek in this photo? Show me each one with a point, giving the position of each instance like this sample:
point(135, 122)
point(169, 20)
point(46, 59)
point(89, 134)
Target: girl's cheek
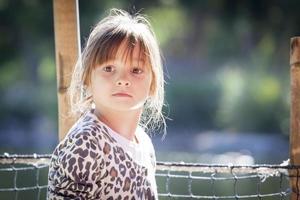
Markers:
point(140, 76)
point(104, 75)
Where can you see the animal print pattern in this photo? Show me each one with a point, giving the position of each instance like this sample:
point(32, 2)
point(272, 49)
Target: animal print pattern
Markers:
point(89, 164)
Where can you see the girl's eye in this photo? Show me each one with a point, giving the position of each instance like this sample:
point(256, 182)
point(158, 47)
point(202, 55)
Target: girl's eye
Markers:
point(108, 69)
point(137, 70)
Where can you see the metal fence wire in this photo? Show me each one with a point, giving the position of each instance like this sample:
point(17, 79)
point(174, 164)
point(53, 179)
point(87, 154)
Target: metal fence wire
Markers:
point(25, 177)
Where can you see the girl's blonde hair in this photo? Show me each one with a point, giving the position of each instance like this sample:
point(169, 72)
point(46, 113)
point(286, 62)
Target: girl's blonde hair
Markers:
point(105, 39)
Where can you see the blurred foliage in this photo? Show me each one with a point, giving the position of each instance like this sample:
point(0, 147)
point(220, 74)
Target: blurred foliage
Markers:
point(226, 60)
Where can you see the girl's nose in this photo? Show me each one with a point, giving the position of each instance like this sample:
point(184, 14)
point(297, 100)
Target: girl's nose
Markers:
point(123, 81)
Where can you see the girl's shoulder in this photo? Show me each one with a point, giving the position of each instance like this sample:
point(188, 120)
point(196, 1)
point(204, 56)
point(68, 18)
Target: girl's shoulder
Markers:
point(145, 140)
point(88, 127)
point(85, 125)
point(143, 136)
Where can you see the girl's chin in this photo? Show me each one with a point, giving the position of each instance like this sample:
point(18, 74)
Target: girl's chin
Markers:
point(136, 107)
point(122, 105)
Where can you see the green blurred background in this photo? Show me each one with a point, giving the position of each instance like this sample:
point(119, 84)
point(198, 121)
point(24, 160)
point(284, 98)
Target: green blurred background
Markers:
point(226, 64)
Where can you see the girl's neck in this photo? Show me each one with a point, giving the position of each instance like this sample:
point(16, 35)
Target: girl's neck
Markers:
point(123, 123)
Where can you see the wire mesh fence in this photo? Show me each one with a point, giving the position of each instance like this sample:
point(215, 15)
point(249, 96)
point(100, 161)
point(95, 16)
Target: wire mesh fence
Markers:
point(201, 181)
point(25, 177)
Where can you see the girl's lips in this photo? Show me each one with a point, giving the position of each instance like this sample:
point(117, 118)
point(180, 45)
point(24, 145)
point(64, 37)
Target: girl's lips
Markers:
point(121, 95)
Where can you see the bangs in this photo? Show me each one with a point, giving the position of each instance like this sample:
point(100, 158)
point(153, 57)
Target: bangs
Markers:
point(108, 48)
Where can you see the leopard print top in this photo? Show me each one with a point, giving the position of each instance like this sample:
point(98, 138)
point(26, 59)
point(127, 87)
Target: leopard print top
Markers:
point(94, 162)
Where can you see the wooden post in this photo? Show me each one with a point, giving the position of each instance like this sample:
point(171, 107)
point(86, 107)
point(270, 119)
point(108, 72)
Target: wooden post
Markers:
point(295, 114)
point(67, 49)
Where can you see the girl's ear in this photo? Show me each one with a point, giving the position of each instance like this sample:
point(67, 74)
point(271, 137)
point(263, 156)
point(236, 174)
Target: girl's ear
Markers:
point(87, 91)
point(88, 85)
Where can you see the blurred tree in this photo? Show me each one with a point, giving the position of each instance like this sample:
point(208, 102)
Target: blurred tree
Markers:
point(227, 59)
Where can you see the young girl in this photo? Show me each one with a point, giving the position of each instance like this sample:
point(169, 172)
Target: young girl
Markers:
point(118, 87)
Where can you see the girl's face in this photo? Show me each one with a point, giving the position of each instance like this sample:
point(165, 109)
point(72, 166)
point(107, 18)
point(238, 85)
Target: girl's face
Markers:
point(121, 85)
